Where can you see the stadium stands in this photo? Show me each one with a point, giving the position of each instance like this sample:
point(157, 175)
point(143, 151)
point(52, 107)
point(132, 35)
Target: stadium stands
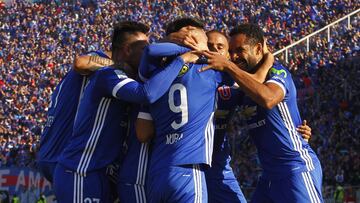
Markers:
point(39, 41)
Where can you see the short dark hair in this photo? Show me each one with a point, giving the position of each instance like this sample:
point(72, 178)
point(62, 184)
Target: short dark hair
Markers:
point(253, 32)
point(179, 23)
point(122, 31)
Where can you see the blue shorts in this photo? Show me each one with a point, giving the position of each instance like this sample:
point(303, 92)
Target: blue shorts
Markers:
point(180, 184)
point(69, 186)
point(47, 169)
point(302, 187)
point(224, 191)
point(131, 193)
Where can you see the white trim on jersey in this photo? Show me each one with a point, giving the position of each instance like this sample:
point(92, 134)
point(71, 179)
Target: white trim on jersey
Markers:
point(83, 85)
point(294, 136)
point(209, 139)
point(309, 184)
point(94, 137)
point(120, 85)
point(145, 116)
point(141, 173)
point(278, 83)
point(57, 96)
point(197, 183)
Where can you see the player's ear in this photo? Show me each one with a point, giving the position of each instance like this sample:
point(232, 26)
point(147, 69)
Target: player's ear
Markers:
point(259, 49)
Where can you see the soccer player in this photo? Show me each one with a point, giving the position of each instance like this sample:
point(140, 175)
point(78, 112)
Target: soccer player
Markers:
point(291, 169)
point(99, 128)
point(61, 115)
point(220, 179)
point(221, 182)
point(132, 174)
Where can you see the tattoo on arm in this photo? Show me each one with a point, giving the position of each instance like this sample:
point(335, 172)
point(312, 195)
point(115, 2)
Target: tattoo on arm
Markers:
point(100, 60)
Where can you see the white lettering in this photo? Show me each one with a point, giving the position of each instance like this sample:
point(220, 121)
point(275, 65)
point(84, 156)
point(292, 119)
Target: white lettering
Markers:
point(3, 172)
point(173, 138)
point(20, 180)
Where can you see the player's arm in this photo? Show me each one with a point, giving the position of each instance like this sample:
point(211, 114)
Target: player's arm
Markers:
point(88, 63)
point(165, 49)
point(144, 127)
point(153, 51)
point(148, 92)
point(267, 95)
point(304, 130)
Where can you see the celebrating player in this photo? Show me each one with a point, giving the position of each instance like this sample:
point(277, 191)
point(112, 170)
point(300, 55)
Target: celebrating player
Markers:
point(61, 116)
point(292, 171)
point(98, 133)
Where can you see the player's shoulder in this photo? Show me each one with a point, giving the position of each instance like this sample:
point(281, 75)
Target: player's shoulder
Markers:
point(279, 70)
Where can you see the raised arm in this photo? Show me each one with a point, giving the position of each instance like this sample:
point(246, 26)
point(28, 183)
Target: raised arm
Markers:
point(150, 91)
point(265, 94)
point(86, 64)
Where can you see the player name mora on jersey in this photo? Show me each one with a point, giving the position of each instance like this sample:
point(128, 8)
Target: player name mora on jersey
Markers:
point(173, 138)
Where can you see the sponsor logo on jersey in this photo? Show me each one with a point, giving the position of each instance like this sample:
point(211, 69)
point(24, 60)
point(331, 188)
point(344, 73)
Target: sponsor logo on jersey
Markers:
point(247, 112)
point(278, 72)
point(221, 113)
point(224, 92)
point(183, 70)
point(257, 124)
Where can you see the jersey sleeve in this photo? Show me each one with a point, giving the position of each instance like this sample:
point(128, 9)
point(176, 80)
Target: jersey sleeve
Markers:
point(280, 77)
point(166, 49)
point(155, 52)
point(127, 89)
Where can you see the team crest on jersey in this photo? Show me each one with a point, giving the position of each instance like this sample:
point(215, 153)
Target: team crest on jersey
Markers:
point(224, 92)
point(248, 111)
point(183, 70)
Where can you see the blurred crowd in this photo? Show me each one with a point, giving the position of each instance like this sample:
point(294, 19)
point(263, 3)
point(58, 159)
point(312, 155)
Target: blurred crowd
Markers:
point(39, 41)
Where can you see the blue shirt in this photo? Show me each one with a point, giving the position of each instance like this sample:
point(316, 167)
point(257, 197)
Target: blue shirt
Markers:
point(282, 150)
point(183, 118)
point(61, 114)
point(228, 99)
point(134, 167)
point(98, 130)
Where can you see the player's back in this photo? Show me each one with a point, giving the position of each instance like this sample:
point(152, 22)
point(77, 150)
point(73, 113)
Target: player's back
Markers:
point(99, 127)
point(183, 119)
point(282, 150)
point(61, 115)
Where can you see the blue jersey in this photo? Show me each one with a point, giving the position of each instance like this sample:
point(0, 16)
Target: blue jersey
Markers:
point(134, 166)
point(61, 114)
point(281, 149)
point(228, 99)
point(99, 130)
point(184, 127)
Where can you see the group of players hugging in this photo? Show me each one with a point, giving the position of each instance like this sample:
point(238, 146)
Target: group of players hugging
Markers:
point(149, 122)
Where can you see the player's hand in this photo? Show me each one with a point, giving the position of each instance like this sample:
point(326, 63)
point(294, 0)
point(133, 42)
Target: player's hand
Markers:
point(184, 37)
point(305, 131)
point(215, 61)
point(190, 57)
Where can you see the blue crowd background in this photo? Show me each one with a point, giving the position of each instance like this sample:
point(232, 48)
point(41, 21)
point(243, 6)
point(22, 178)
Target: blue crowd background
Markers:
point(39, 40)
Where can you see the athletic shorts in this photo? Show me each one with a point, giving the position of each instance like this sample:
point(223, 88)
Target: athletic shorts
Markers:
point(302, 187)
point(180, 184)
point(71, 187)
